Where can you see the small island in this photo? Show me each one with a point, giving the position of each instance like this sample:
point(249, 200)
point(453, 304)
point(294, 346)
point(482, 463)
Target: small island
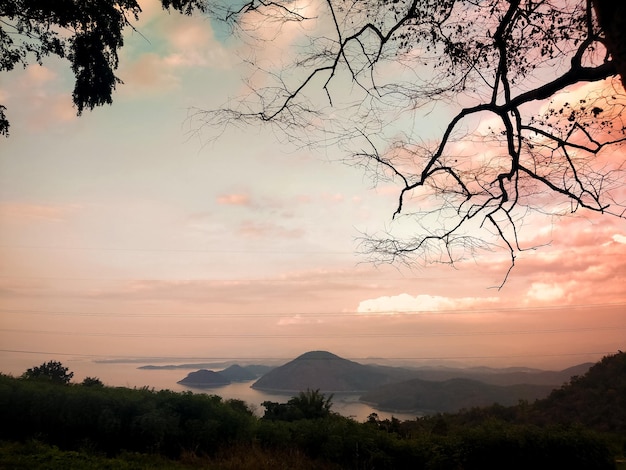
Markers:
point(204, 379)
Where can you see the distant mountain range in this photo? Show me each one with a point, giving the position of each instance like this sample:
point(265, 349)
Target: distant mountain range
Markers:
point(505, 376)
point(450, 395)
point(425, 389)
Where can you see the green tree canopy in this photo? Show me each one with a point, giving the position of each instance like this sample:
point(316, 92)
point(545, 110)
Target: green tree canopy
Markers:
point(88, 34)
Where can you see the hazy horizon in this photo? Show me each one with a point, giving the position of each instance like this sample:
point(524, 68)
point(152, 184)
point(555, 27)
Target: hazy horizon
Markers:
point(80, 365)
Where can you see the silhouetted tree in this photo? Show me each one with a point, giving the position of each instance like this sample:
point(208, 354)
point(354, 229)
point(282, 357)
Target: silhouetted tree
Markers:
point(88, 34)
point(92, 382)
point(53, 371)
point(312, 404)
point(526, 135)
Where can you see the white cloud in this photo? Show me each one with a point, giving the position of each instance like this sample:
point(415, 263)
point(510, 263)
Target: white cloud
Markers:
point(404, 303)
point(545, 292)
point(619, 238)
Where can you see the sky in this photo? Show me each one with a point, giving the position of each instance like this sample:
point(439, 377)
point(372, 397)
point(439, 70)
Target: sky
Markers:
point(130, 232)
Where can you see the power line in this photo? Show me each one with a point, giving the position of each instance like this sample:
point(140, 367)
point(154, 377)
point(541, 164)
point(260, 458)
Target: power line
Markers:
point(339, 278)
point(178, 250)
point(314, 335)
point(354, 313)
point(229, 358)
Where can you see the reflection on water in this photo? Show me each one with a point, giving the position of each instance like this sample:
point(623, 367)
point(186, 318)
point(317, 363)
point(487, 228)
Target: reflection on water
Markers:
point(128, 375)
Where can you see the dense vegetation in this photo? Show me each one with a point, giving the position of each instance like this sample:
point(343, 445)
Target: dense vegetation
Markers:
point(93, 426)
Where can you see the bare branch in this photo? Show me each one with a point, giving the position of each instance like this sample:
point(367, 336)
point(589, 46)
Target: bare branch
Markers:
point(503, 61)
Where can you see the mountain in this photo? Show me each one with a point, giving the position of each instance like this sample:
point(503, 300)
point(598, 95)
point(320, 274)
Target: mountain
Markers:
point(201, 365)
point(505, 376)
point(204, 378)
point(450, 395)
point(237, 373)
point(324, 371)
point(258, 369)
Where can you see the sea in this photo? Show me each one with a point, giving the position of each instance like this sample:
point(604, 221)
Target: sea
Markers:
point(130, 375)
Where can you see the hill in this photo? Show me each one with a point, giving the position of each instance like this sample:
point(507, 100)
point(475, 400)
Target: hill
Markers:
point(596, 400)
point(324, 371)
point(237, 373)
point(204, 378)
point(449, 395)
point(505, 376)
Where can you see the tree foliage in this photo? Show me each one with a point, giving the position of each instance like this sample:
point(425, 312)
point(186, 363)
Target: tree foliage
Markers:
point(312, 403)
point(52, 371)
point(88, 34)
point(525, 131)
point(92, 382)
point(309, 404)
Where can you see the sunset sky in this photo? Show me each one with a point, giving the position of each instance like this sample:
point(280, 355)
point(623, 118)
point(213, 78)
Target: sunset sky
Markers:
point(124, 233)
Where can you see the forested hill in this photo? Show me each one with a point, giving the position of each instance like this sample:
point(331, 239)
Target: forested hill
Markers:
point(597, 399)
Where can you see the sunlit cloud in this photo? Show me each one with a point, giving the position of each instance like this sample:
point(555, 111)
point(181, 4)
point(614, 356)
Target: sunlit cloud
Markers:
point(298, 320)
point(405, 303)
point(24, 212)
point(544, 292)
point(252, 229)
point(40, 95)
point(149, 73)
point(234, 199)
point(335, 198)
point(149, 8)
point(37, 75)
point(194, 45)
point(189, 42)
point(619, 238)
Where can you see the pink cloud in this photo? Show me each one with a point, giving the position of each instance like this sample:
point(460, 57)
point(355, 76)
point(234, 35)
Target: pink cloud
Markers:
point(17, 211)
point(335, 198)
point(35, 92)
point(234, 199)
point(252, 229)
point(147, 73)
point(192, 44)
point(299, 320)
point(37, 75)
point(583, 264)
